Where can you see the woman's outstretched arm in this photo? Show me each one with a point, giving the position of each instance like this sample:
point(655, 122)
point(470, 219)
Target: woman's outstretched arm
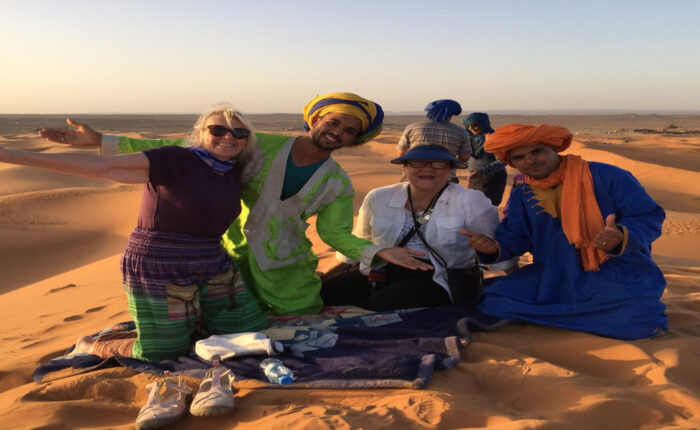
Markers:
point(127, 169)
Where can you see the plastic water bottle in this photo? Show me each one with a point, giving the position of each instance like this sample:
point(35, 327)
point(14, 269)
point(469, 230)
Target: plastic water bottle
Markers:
point(276, 372)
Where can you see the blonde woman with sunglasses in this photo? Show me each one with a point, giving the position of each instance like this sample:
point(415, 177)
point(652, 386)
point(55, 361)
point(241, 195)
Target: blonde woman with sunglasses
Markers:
point(176, 275)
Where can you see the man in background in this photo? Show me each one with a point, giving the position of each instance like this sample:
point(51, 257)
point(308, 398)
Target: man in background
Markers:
point(486, 173)
point(438, 130)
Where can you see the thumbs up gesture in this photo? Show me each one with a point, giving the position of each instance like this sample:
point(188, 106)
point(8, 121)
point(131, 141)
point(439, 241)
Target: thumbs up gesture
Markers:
point(480, 242)
point(610, 236)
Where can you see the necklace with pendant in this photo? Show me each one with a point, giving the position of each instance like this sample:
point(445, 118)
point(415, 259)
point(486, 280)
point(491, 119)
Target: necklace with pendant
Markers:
point(423, 218)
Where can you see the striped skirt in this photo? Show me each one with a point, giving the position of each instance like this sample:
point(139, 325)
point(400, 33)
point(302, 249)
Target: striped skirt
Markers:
point(177, 283)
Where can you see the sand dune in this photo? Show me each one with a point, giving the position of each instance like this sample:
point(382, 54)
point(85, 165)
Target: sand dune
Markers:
point(61, 239)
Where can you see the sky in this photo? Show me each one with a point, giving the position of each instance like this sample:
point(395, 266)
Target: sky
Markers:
point(274, 56)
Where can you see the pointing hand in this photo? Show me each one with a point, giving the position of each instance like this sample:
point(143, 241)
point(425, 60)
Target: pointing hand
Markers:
point(481, 243)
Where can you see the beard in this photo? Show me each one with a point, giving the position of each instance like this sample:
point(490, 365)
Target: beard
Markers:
point(317, 137)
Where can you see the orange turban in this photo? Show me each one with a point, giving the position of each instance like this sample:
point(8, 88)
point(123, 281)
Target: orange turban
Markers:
point(516, 135)
point(581, 218)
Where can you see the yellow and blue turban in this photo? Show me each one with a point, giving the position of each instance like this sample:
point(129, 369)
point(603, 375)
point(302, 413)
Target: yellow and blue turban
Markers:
point(369, 113)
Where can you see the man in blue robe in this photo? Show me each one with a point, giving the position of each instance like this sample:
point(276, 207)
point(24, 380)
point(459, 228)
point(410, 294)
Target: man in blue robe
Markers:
point(589, 228)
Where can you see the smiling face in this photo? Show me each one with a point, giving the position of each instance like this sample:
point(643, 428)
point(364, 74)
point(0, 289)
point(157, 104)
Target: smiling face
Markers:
point(335, 130)
point(225, 147)
point(427, 178)
point(536, 161)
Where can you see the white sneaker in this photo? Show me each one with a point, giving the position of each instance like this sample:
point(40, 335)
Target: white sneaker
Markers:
point(167, 402)
point(215, 394)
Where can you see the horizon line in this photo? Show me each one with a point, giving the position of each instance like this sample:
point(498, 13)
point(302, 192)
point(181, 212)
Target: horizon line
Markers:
point(421, 113)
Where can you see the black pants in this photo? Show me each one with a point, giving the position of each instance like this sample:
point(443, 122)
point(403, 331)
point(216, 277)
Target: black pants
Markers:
point(403, 289)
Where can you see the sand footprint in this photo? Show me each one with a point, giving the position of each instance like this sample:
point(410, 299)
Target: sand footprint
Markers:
point(421, 408)
point(681, 223)
point(118, 314)
point(79, 317)
point(624, 413)
point(305, 416)
point(33, 344)
point(57, 289)
point(428, 410)
point(108, 385)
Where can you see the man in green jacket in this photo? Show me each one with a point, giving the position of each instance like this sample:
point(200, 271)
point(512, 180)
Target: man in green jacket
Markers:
point(289, 180)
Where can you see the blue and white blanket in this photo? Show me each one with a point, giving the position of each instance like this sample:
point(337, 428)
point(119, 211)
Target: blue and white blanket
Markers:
point(398, 349)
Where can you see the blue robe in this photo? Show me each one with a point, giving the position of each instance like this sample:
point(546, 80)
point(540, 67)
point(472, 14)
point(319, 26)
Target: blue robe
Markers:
point(622, 300)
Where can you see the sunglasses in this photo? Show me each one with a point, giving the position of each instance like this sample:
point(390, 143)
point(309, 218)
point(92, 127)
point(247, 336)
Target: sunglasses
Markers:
point(221, 131)
point(434, 164)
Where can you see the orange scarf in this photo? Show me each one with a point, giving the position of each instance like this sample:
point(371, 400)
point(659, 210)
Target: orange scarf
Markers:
point(581, 218)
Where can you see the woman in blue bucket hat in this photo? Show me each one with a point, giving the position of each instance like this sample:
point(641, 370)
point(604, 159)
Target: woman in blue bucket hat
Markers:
point(430, 216)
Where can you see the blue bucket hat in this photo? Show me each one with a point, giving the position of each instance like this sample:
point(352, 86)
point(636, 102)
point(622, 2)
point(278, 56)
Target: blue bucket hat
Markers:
point(430, 152)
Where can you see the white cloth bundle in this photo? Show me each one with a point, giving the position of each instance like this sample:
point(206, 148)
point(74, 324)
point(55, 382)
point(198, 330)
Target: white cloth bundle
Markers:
point(237, 344)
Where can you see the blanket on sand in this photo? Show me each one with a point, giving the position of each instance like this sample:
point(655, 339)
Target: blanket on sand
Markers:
point(398, 349)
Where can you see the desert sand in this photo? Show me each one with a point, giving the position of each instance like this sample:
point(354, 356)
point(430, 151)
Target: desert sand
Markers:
point(61, 237)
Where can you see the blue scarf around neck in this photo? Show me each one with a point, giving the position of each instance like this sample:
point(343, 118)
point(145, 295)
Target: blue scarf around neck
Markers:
point(210, 160)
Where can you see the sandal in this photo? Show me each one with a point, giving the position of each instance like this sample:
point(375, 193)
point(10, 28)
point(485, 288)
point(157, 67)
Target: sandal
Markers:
point(215, 394)
point(167, 402)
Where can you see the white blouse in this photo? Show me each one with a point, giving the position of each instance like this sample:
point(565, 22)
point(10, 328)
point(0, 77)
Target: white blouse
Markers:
point(382, 216)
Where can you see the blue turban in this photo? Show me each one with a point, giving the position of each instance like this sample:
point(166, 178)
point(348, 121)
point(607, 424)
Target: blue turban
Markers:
point(481, 119)
point(439, 110)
